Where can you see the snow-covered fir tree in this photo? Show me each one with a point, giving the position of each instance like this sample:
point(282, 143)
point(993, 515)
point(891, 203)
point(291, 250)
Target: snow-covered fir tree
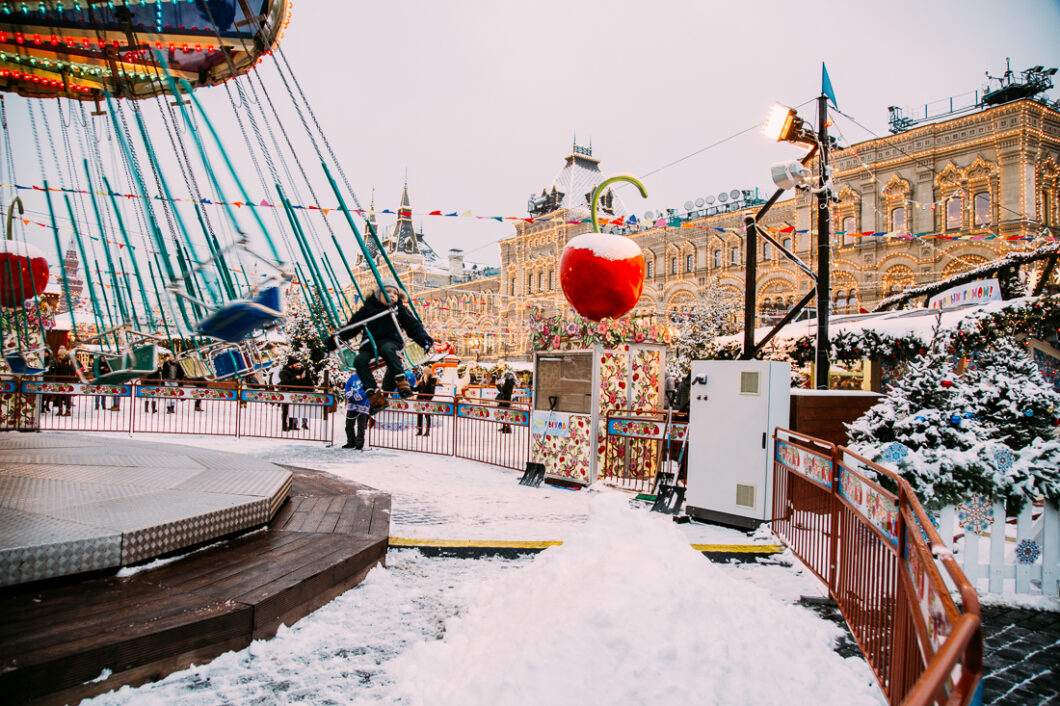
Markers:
point(1019, 412)
point(921, 430)
point(951, 436)
point(714, 316)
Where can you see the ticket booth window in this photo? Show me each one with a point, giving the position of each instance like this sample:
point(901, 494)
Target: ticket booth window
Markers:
point(569, 378)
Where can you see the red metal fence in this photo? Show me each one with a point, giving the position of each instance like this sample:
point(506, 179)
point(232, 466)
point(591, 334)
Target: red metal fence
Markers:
point(641, 443)
point(876, 551)
point(228, 409)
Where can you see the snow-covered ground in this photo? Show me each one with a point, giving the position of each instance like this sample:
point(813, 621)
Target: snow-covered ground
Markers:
point(624, 612)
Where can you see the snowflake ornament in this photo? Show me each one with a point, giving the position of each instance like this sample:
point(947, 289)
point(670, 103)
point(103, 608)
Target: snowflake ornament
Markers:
point(1027, 551)
point(1004, 458)
point(895, 452)
point(975, 514)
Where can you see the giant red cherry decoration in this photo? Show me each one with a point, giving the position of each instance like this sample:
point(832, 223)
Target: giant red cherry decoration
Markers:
point(23, 268)
point(602, 274)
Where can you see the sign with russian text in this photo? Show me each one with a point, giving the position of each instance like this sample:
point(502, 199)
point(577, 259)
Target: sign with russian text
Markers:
point(982, 290)
point(551, 423)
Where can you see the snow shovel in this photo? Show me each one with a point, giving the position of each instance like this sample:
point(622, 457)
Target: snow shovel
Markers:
point(668, 495)
point(535, 472)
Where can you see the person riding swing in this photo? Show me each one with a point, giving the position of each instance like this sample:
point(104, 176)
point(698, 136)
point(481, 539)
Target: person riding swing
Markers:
point(383, 316)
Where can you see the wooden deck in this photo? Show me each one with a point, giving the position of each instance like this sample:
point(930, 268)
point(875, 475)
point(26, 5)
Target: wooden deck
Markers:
point(57, 643)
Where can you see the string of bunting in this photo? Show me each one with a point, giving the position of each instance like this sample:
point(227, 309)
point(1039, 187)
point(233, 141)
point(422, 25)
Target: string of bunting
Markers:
point(622, 221)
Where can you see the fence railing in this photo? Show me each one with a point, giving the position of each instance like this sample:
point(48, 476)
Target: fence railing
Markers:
point(228, 409)
point(877, 550)
point(641, 443)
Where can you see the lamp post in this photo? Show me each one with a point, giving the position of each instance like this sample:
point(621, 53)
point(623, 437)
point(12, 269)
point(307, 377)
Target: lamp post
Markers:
point(824, 229)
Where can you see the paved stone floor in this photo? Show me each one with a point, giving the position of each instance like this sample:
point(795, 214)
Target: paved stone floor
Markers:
point(1021, 660)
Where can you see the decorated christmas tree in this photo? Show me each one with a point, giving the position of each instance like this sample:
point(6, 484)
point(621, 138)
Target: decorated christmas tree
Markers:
point(991, 431)
point(922, 430)
point(303, 338)
point(1019, 412)
point(713, 317)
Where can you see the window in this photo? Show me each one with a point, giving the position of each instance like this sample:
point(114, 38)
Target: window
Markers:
point(898, 220)
point(551, 280)
point(848, 226)
point(981, 209)
point(650, 269)
point(787, 244)
point(767, 250)
point(511, 287)
point(717, 258)
point(529, 283)
point(673, 265)
point(540, 281)
point(954, 208)
point(734, 255)
point(690, 263)
point(838, 301)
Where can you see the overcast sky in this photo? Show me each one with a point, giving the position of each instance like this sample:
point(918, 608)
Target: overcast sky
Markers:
point(478, 102)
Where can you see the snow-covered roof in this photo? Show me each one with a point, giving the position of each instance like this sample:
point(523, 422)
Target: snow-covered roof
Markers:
point(919, 322)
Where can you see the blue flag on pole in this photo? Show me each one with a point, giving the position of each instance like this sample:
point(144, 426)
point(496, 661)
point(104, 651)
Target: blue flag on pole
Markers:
point(826, 86)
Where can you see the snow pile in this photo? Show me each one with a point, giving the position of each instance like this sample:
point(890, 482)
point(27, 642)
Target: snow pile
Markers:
point(626, 613)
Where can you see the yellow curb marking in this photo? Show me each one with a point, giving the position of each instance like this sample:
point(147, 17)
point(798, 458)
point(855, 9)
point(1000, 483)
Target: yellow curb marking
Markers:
point(515, 544)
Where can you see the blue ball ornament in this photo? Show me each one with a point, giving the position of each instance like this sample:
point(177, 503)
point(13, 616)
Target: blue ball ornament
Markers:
point(921, 419)
point(955, 419)
point(1029, 412)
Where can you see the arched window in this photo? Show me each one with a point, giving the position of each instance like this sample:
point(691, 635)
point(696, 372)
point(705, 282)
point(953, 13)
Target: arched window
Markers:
point(981, 209)
point(954, 213)
point(551, 280)
point(848, 227)
point(898, 220)
point(540, 281)
point(649, 269)
point(717, 258)
point(838, 301)
point(787, 244)
point(673, 265)
point(690, 262)
point(529, 283)
point(734, 254)
point(767, 250)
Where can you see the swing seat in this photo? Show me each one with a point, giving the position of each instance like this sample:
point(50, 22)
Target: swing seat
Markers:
point(231, 363)
point(125, 367)
point(195, 367)
point(239, 319)
point(20, 366)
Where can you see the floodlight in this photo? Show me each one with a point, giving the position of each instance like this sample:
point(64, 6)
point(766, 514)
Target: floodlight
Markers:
point(787, 175)
point(783, 125)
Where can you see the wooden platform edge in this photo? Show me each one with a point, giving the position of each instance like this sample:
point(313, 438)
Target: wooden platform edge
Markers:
point(327, 564)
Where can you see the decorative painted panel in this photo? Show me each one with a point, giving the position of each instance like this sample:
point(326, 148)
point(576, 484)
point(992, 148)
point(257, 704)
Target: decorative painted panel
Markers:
point(518, 417)
point(805, 462)
point(567, 456)
point(873, 504)
point(287, 397)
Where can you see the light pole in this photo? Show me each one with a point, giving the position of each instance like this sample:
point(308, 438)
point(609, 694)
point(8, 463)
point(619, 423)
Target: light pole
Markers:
point(824, 230)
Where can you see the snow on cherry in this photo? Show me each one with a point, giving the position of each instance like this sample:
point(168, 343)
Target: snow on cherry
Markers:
point(602, 274)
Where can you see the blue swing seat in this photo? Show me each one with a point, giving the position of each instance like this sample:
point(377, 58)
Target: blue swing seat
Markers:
point(20, 366)
point(239, 319)
point(231, 363)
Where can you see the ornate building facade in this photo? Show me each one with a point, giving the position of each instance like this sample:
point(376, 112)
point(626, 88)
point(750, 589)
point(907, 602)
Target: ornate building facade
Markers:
point(982, 184)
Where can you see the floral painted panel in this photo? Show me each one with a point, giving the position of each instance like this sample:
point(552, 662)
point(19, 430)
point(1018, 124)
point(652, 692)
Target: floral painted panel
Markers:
point(644, 379)
point(614, 394)
point(567, 456)
point(17, 411)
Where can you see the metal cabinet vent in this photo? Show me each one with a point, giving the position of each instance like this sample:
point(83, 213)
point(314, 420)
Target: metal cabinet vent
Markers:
point(745, 495)
point(749, 382)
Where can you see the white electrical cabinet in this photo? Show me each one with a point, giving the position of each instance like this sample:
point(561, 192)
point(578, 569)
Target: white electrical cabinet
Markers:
point(735, 406)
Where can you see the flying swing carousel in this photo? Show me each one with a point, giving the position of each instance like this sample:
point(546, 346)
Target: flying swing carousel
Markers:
point(200, 285)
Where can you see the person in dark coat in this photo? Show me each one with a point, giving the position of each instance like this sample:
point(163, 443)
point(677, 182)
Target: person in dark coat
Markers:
point(294, 374)
point(425, 387)
point(374, 316)
point(504, 396)
point(172, 374)
point(62, 370)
